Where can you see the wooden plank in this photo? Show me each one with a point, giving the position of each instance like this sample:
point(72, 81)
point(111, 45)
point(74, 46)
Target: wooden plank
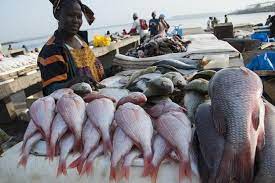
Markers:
point(17, 72)
point(18, 84)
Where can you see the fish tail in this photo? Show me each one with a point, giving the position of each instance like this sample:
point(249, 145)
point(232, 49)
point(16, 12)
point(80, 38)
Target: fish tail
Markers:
point(23, 161)
point(78, 145)
point(147, 167)
point(235, 164)
point(62, 169)
point(185, 171)
point(51, 151)
point(77, 163)
point(113, 175)
point(88, 169)
point(125, 172)
point(154, 173)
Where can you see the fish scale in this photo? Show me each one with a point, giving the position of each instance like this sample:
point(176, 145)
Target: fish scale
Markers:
point(267, 157)
point(236, 97)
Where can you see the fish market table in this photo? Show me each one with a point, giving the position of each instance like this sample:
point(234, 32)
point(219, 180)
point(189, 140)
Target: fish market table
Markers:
point(40, 170)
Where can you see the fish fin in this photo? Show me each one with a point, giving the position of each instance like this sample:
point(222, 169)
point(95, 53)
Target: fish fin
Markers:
point(218, 119)
point(23, 161)
point(237, 165)
point(62, 169)
point(185, 171)
point(256, 118)
point(88, 169)
point(245, 70)
point(183, 109)
point(51, 152)
point(147, 167)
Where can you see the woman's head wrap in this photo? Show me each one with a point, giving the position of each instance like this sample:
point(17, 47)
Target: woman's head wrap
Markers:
point(88, 13)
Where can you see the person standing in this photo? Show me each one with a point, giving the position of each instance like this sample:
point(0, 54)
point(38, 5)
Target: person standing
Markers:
point(139, 27)
point(272, 26)
point(163, 26)
point(268, 20)
point(66, 59)
point(209, 23)
point(225, 19)
point(153, 25)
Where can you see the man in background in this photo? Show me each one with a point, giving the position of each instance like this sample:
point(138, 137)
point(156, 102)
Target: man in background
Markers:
point(268, 20)
point(209, 23)
point(139, 28)
point(153, 25)
point(225, 19)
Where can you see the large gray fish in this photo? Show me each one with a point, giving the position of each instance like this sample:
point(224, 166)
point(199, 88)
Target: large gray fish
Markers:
point(177, 79)
point(266, 172)
point(211, 143)
point(175, 63)
point(159, 87)
point(199, 85)
point(238, 114)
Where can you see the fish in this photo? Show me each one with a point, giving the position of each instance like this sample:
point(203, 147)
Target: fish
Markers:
point(30, 131)
point(175, 63)
point(101, 114)
point(115, 93)
point(90, 139)
point(163, 107)
point(89, 163)
point(96, 95)
point(199, 85)
point(114, 82)
point(82, 88)
point(73, 110)
point(211, 143)
point(161, 150)
point(137, 124)
point(58, 129)
point(28, 147)
point(192, 100)
point(175, 128)
point(266, 173)
point(159, 87)
point(137, 74)
point(205, 74)
point(58, 94)
point(128, 160)
point(42, 113)
point(66, 145)
point(134, 97)
point(238, 114)
point(122, 145)
point(177, 79)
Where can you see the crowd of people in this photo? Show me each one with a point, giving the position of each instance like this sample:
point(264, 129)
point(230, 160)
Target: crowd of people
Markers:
point(157, 26)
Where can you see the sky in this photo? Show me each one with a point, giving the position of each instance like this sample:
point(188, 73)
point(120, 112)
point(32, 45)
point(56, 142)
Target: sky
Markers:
point(22, 19)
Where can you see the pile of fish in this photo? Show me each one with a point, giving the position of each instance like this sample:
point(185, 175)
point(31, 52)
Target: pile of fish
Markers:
point(218, 129)
point(159, 45)
point(99, 124)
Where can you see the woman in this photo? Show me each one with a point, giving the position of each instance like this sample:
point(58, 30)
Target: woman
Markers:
point(66, 59)
point(163, 26)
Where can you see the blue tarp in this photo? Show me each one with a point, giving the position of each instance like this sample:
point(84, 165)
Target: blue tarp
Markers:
point(264, 61)
point(263, 37)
